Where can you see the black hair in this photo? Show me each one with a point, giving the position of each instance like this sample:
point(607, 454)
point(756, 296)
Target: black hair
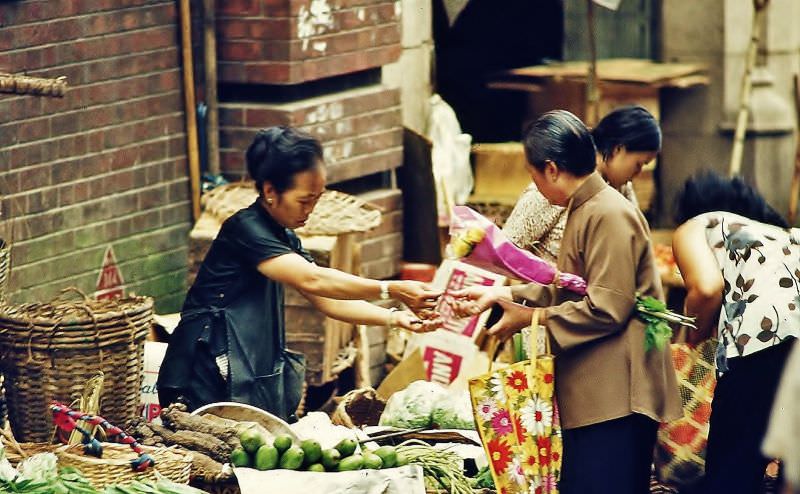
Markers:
point(631, 127)
point(708, 191)
point(560, 137)
point(277, 154)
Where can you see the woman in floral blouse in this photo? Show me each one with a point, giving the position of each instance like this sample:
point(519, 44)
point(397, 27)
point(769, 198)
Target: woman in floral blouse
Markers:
point(741, 268)
point(626, 140)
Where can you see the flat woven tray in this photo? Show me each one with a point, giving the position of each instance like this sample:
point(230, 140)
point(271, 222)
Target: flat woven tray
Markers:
point(335, 213)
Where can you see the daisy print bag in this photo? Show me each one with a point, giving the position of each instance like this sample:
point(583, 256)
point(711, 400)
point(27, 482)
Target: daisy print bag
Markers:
point(517, 420)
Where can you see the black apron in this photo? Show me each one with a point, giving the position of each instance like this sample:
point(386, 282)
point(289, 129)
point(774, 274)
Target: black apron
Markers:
point(233, 314)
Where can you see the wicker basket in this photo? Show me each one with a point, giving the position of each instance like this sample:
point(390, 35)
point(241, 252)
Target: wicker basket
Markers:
point(115, 465)
point(335, 213)
point(48, 350)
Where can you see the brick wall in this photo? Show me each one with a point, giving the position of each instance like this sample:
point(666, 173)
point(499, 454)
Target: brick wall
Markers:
point(360, 129)
point(292, 41)
point(106, 164)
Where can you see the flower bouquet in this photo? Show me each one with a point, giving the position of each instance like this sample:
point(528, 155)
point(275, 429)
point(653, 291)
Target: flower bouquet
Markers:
point(479, 242)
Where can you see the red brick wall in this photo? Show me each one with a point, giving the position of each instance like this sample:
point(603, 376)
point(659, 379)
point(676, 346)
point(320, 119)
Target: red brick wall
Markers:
point(361, 130)
point(104, 165)
point(292, 41)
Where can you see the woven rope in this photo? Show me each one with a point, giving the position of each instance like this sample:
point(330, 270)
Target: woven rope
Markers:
point(5, 268)
point(335, 213)
point(49, 350)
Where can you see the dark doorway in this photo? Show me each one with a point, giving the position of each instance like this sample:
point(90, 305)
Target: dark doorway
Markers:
point(490, 36)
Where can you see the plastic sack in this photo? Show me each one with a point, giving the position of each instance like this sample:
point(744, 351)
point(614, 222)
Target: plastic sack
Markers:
point(7, 472)
point(412, 407)
point(452, 170)
point(479, 242)
point(454, 412)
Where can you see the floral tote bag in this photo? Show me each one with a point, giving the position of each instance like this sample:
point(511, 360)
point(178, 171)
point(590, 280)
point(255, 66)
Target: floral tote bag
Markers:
point(517, 419)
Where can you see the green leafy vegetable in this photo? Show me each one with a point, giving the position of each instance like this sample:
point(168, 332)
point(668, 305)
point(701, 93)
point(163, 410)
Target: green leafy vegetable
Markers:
point(658, 318)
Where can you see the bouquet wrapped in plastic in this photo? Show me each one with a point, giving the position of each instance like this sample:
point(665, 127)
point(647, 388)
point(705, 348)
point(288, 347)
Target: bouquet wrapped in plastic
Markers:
point(478, 241)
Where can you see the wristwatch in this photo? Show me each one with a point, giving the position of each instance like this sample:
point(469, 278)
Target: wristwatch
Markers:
point(384, 290)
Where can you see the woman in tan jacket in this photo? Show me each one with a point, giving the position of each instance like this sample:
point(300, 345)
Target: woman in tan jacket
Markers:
point(612, 393)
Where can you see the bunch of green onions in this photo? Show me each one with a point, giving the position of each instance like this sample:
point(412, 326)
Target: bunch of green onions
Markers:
point(658, 318)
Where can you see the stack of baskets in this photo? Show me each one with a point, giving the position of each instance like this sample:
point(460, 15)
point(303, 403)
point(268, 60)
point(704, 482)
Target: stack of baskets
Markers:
point(48, 350)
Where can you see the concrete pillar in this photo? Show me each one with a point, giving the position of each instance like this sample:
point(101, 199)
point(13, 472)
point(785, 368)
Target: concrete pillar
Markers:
point(412, 73)
point(692, 32)
point(698, 124)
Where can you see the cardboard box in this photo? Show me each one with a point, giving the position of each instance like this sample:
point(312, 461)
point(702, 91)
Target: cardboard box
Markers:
point(153, 356)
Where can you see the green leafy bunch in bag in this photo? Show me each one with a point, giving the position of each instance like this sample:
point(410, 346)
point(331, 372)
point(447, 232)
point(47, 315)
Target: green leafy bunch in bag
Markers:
point(658, 318)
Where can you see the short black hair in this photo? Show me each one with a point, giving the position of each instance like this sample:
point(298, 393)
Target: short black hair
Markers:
point(631, 127)
point(708, 191)
point(560, 137)
point(277, 154)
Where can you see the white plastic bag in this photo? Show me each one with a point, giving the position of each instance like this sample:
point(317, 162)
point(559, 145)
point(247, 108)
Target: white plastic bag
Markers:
point(450, 156)
point(412, 407)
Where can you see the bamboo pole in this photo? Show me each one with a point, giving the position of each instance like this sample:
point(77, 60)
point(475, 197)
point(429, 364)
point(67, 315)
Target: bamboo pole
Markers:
point(212, 123)
point(592, 90)
point(22, 84)
point(191, 117)
point(795, 190)
point(735, 167)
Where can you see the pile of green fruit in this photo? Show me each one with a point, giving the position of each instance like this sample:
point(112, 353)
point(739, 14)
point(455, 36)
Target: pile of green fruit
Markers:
point(256, 452)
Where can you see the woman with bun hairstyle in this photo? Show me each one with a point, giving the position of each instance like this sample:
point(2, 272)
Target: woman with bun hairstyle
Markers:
point(230, 343)
point(626, 139)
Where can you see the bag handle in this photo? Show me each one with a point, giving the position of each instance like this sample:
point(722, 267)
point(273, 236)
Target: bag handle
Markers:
point(533, 342)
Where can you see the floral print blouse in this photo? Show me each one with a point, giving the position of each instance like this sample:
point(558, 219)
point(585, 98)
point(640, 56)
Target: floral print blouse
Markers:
point(538, 226)
point(760, 266)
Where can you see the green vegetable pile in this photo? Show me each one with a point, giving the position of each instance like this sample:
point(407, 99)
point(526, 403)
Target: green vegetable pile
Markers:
point(483, 479)
point(68, 480)
point(658, 318)
point(443, 470)
point(40, 475)
point(309, 455)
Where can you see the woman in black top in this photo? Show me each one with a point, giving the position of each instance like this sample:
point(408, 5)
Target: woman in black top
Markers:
point(229, 345)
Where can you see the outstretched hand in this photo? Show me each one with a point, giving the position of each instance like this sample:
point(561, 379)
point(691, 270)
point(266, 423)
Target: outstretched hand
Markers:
point(408, 320)
point(415, 294)
point(475, 299)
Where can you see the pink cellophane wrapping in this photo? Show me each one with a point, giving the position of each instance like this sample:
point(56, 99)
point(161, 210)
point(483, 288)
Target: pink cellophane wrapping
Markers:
point(499, 255)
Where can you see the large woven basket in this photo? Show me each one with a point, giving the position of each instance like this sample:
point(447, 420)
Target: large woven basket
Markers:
point(49, 350)
point(115, 465)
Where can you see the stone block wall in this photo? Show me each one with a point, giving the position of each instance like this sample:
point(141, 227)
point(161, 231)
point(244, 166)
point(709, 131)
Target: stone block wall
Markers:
point(105, 164)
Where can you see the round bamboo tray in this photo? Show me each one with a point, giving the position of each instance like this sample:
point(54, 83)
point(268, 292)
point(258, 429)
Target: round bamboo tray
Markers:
point(48, 350)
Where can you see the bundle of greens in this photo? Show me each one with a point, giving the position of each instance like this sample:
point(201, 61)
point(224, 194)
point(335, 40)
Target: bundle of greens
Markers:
point(658, 318)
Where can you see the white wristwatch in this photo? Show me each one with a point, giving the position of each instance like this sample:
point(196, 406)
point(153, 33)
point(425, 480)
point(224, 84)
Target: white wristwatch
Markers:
point(384, 290)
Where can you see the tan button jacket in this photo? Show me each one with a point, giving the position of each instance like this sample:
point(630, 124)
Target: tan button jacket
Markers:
point(602, 369)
